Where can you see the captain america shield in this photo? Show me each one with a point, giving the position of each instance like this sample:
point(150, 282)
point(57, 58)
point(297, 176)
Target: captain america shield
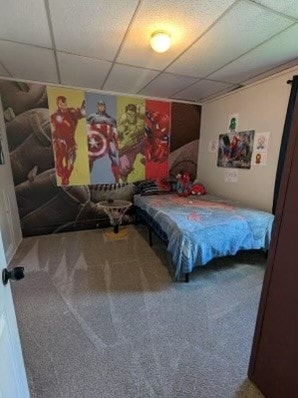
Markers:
point(97, 144)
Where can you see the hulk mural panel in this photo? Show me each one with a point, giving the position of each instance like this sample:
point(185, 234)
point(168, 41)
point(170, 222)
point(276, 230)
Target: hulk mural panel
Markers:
point(134, 138)
point(131, 133)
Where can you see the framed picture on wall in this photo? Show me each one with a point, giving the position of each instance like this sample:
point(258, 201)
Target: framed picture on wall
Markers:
point(235, 150)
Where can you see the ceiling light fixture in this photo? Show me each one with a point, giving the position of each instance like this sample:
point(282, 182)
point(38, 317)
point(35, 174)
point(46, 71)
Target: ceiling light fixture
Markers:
point(160, 41)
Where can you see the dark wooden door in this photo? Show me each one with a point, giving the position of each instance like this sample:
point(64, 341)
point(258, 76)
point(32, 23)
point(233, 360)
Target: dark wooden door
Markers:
point(274, 360)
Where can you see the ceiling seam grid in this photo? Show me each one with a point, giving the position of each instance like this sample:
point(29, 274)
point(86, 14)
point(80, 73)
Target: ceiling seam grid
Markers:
point(194, 42)
point(4, 67)
point(49, 18)
point(255, 83)
point(284, 65)
point(99, 59)
point(219, 93)
point(211, 26)
point(88, 57)
point(122, 41)
point(26, 44)
point(235, 59)
point(267, 8)
point(252, 49)
point(104, 60)
point(125, 36)
point(253, 2)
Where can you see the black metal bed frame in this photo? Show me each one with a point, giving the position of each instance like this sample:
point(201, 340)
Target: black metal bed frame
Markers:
point(153, 226)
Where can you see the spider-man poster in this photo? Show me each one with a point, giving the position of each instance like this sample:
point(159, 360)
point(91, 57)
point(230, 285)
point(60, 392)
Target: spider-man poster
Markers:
point(157, 130)
point(235, 150)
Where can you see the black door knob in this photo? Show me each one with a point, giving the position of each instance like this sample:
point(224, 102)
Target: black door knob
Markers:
point(15, 274)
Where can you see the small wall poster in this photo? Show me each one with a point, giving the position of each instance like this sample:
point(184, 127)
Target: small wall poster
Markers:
point(231, 176)
point(260, 158)
point(233, 123)
point(261, 142)
point(260, 149)
point(213, 146)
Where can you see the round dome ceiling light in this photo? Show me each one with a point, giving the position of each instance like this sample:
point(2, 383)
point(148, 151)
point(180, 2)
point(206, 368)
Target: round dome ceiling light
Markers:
point(160, 41)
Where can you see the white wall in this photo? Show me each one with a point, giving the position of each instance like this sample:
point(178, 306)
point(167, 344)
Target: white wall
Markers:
point(261, 107)
point(9, 216)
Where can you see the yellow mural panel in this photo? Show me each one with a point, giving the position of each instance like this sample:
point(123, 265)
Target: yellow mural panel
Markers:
point(69, 135)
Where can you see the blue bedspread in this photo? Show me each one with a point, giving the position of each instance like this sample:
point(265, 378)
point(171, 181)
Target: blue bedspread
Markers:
point(205, 227)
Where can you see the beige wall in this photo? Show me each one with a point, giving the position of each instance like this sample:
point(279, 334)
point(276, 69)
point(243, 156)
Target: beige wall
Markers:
point(261, 107)
point(9, 216)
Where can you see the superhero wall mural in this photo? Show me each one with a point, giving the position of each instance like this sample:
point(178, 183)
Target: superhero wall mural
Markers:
point(70, 149)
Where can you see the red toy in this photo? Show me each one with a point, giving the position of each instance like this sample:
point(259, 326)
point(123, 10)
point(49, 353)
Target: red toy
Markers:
point(198, 189)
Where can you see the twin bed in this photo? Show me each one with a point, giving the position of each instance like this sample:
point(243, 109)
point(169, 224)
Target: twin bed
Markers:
point(197, 229)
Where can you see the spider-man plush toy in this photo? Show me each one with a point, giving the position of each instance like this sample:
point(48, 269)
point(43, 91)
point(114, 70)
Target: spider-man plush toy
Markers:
point(183, 184)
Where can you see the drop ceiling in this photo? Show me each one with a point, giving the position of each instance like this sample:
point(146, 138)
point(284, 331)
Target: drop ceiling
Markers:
point(217, 45)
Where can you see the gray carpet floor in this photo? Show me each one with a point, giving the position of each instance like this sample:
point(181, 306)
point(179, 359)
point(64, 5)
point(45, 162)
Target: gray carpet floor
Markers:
point(101, 318)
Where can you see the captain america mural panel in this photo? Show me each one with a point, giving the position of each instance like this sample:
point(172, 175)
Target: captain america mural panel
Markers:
point(103, 143)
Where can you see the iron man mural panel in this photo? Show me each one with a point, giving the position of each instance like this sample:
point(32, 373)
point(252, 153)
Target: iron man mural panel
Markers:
point(68, 125)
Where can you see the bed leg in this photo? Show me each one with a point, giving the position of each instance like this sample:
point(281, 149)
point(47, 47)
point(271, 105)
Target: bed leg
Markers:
point(186, 277)
point(150, 236)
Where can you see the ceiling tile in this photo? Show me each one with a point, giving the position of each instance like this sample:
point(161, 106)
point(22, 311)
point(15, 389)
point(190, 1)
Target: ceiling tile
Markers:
point(3, 72)
point(242, 28)
point(288, 7)
point(94, 28)
point(166, 85)
point(184, 20)
point(128, 79)
point(202, 89)
point(25, 21)
point(82, 71)
point(27, 62)
point(281, 49)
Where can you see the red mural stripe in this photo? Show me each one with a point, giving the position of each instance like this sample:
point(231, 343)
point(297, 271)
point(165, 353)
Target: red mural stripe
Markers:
point(158, 127)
